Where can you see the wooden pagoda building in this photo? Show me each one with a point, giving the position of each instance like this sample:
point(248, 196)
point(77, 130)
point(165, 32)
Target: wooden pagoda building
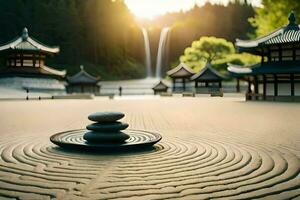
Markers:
point(83, 82)
point(181, 73)
point(161, 87)
point(277, 76)
point(208, 76)
point(25, 57)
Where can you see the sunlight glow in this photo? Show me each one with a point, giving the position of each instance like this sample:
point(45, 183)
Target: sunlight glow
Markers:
point(151, 8)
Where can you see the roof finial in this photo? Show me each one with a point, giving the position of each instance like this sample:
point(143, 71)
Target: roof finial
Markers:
point(81, 67)
point(25, 34)
point(292, 26)
point(292, 18)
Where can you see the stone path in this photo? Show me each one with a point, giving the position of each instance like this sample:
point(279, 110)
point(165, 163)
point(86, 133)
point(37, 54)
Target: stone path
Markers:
point(212, 148)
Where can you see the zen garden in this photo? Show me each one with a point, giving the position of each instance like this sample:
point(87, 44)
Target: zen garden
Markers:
point(141, 99)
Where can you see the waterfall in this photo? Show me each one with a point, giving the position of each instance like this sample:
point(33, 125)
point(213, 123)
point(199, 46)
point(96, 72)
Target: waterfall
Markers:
point(161, 50)
point(147, 52)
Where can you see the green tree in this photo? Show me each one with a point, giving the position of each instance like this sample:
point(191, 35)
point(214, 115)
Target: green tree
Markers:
point(229, 22)
point(273, 15)
point(207, 49)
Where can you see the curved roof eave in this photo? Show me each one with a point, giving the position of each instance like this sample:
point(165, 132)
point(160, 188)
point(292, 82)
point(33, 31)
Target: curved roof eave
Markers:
point(82, 75)
point(256, 42)
point(43, 47)
point(207, 67)
point(11, 45)
point(55, 71)
point(160, 85)
point(28, 43)
point(236, 69)
point(181, 66)
point(282, 35)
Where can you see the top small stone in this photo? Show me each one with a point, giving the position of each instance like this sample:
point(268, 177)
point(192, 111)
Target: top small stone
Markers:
point(106, 116)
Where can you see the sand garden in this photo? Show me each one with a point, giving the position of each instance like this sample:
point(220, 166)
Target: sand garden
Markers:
point(212, 148)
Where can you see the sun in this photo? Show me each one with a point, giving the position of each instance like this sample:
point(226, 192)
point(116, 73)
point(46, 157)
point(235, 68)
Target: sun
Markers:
point(151, 8)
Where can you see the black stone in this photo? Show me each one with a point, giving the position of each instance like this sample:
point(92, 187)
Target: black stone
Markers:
point(107, 127)
point(96, 137)
point(106, 116)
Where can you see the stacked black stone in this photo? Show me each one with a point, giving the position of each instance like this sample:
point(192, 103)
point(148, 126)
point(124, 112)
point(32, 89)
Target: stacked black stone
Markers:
point(107, 128)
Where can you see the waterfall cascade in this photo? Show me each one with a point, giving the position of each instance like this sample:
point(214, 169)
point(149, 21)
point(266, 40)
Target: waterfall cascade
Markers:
point(147, 52)
point(161, 50)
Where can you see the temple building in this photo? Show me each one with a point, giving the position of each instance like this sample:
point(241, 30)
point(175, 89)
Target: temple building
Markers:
point(277, 76)
point(208, 76)
point(182, 73)
point(159, 88)
point(25, 58)
point(83, 82)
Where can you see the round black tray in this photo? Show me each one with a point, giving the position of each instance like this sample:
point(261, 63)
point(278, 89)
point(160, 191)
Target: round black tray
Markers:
point(74, 140)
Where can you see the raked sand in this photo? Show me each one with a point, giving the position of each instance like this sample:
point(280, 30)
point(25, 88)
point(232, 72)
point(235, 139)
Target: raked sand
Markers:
point(211, 148)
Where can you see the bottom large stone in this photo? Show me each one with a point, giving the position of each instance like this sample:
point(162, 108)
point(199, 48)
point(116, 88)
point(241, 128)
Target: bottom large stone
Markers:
point(96, 137)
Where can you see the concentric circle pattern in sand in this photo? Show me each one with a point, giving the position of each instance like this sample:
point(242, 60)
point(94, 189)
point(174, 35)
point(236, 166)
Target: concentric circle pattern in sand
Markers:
point(190, 168)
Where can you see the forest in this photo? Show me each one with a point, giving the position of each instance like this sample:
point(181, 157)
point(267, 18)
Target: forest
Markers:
point(105, 37)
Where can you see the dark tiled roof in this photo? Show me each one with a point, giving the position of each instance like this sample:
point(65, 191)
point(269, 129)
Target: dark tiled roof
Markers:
point(160, 86)
point(286, 37)
point(83, 77)
point(207, 74)
point(286, 34)
point(181, 71)
point(27, 43)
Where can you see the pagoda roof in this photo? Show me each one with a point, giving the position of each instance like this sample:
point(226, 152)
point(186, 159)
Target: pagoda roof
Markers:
point(83, 77)
point(286, 34)
point(285, 67)
point(26, 43)
point(42, 71)
point(207, 74)
point(160, 86)
point(181, 71)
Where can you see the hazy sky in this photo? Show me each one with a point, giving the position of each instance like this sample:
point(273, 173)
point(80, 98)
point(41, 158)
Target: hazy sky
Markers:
point(151, 8)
